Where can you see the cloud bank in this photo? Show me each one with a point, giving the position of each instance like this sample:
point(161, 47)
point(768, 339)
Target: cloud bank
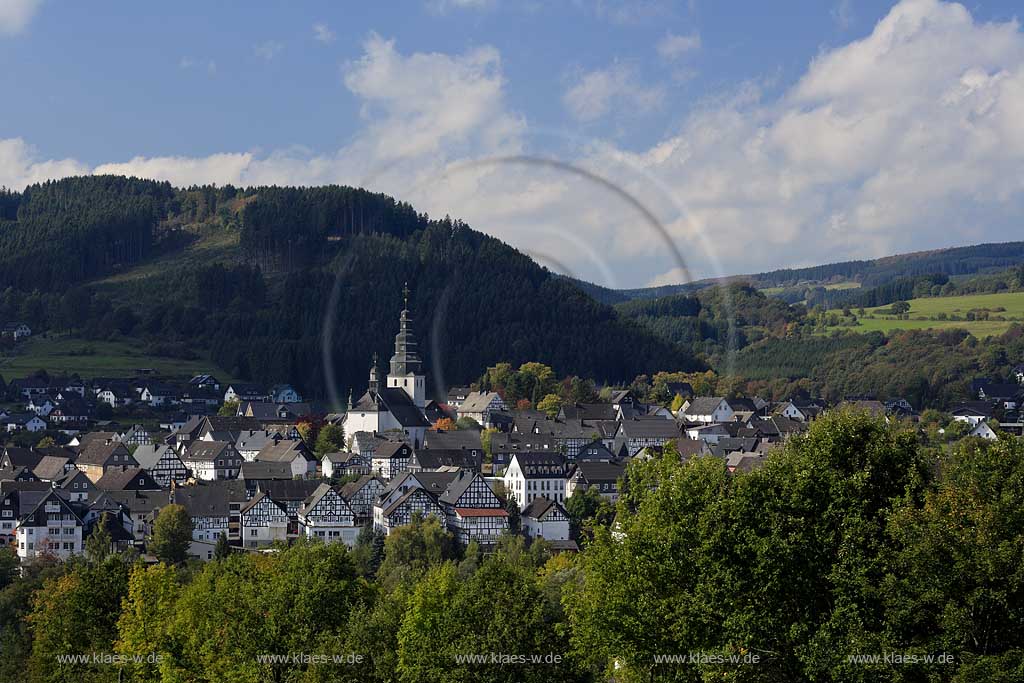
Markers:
point(910, 137)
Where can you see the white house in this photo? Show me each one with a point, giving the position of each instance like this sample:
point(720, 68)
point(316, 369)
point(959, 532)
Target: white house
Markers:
point(284, 393)
point(342, 465)
point(472, 511)
point(325, 515)
point(264, 521)
point(708, 433)
point(214, 508)
point(400, 512)
point(162, 463)
point(546, 519)
point(479, 405)
point(602, 476)
point(390, 458)
point(535, 475)
point(41, 405)
point(50, 526)
point(984, 431)
point(361, 495)
point(211, 460)
point(158, 395)
point(706, 410)
point(291, 451)
point(240, 392)
point(16, 330)
point(801, 411)
point(972, 415)
point(24, 421)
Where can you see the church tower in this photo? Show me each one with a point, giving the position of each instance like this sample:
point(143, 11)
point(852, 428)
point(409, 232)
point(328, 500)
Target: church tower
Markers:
point(405, 364)
point(374, 383)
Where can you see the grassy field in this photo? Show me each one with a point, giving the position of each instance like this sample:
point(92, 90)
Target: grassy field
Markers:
point(950, 307)
point(57, 354)
point(843, 285)
point(212, 245)
point(1013, 302)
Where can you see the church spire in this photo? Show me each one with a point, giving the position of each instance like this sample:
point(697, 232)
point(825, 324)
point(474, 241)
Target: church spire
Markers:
point(374, 379)
point(406, 360)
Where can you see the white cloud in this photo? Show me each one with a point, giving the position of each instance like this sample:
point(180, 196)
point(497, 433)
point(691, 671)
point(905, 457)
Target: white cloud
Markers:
point(323, 33)
point(842, 14)
point(192, 62)
point(443, 6)
point(626, 12)
point(15, 15)
point(674, 46)
point(20, 165)
point(424, 102)
point(599, 91)
point(268, 50)
point(909, 138)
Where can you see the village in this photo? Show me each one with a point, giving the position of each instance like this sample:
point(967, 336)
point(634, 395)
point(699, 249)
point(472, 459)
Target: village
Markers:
point(241, 460)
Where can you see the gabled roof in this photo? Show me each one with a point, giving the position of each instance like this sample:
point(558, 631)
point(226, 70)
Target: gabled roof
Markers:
point(140, 502)
point(258, 498)
point(285, 450)
point(265, 470)
point(541, 465)
point(391, 449)
point(589, 411)
point(149, 455)
point(402, 408)
point(596, 471)
point(51, 467)
point(703, 405)
point(71, 476)
point(478, 401)
point(457, 486)
point(119, 480)
point(437, 458)
point(321, 491)
point(435, 482)
point(353, 487)
point(288, 489)
point(411, 493)
point(22, 457)
point(52, 495)
point(210, 499)
point(206, 451)
point(102, 452)
point(541, 506)
point(649, 428)
point(468, 439)
point(340, 457)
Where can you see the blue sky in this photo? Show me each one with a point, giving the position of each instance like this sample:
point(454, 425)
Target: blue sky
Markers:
point(759, 134)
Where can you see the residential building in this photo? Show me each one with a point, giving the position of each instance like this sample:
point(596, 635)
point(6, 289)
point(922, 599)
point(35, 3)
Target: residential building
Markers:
point(326, 516)
point(534, 475)
point(545, 519)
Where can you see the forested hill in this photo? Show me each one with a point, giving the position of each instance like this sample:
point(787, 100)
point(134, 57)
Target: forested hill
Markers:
point(246, 277)
point(875, 273)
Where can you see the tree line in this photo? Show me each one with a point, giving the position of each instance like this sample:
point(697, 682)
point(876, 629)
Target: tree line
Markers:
point(853, 541)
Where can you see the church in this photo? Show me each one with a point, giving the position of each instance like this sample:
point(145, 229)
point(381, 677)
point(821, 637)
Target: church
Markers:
point(400, 403)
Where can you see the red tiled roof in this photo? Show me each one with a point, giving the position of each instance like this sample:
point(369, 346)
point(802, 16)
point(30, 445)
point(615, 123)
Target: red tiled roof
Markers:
point(481, 512)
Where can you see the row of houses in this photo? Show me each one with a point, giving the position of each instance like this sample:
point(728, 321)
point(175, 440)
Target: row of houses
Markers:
point(151, 391)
